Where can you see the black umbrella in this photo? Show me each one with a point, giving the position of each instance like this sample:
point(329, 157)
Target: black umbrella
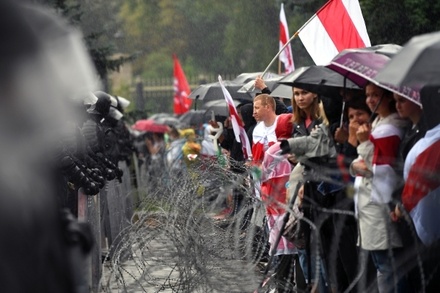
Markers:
point(317, 79)
point(417, 64)
point(282, 91)
point(219, 107)
point(193, 118)
point(247, 76)
point(213, 91)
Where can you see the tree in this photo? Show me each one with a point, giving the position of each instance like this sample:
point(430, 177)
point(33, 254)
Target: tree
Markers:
point(251, 37)
point(95, 25)
point(398, 21)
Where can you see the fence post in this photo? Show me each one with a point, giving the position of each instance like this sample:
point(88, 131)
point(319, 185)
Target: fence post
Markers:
point(127, 194)
point(89, 211)
point(116, 215)
point(140, 100)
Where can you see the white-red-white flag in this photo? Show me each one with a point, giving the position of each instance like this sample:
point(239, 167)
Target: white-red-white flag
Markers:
point(237, 124)
point(421, 194)
point(182, 103)
point(286, 55)
point(338, 25)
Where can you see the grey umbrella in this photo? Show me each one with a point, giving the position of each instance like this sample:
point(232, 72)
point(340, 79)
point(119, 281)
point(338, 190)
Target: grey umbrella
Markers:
point(213, 91)
point(193, 118)
point(417, 64)
point(270, 79)
point(170, 121)
point(246, 76)
point(219, 107)
point(282, 91)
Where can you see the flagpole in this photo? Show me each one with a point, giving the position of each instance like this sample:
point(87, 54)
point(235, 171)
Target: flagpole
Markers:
point(279, 66)
point(279, 52)
point(288, 42)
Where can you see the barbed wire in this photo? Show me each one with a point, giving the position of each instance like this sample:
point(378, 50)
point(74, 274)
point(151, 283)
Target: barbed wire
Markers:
point(178, 240)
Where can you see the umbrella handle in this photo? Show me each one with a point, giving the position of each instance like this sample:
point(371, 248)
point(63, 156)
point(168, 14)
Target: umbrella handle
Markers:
point(342, 115)
point(373, 116)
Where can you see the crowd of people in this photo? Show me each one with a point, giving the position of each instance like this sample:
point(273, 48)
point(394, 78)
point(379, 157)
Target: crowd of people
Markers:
point(310, 163)
point(339, 194)
point(346, 180)
point(332, 188)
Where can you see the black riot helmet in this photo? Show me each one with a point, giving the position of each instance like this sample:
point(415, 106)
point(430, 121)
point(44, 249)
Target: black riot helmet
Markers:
point(100, 103)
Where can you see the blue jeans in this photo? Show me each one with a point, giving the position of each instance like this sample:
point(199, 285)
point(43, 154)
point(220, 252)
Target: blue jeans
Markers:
point(385, 272)
point(302, 255)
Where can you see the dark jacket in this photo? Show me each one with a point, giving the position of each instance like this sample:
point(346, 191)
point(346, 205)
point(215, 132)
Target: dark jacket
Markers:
point(247, 112)
point(411, 136)
point(235, 148)
point(300, 129)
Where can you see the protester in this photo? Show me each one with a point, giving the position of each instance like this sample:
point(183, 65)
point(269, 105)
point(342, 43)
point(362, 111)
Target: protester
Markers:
point(264, 132)
point(280, 107)
point(156, 149)
point(173, 153)
point(376, 181)
point(351, 262)
point(415, 130)
point(420, 196)
point(312, 145)
point(237, 160)
point(406, 109)
point(191, 148)
point(263, 137)
point(275, 175)
point(341, 131)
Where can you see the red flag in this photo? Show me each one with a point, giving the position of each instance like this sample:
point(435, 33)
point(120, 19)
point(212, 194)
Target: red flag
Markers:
point(338, 25)
point(182, 103)
point(286, 55)
point(237, 124)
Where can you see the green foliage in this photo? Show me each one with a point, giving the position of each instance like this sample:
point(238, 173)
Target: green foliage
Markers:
point(253, 45)
point(398, 21)
point(100, 48)
point(124, 91)
point(158, 63)
point(102, 56)
point(213, 37)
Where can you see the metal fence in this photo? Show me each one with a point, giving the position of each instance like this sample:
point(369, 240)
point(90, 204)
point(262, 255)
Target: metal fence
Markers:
point(155, 95)
point(108, 214)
